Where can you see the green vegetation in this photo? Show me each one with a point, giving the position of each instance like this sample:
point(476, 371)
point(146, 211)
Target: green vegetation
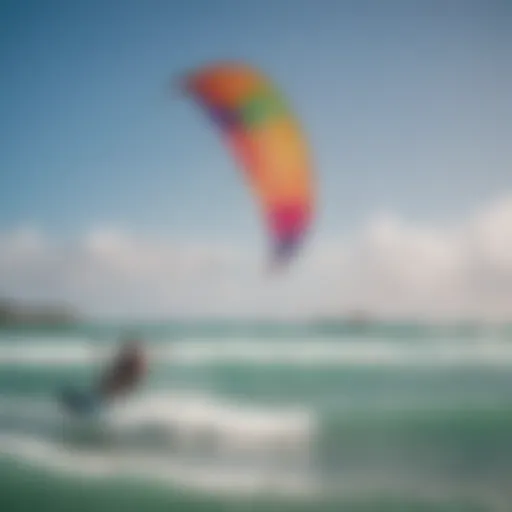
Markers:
point(13, 313)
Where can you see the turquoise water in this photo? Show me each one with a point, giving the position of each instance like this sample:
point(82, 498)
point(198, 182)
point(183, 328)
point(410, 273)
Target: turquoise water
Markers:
point(240, 416)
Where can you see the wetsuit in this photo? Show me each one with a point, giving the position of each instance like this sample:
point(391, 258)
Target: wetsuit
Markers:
point(124, 375)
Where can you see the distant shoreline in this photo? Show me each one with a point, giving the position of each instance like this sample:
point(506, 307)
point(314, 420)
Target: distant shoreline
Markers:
point(16, 314)
point(21, 314)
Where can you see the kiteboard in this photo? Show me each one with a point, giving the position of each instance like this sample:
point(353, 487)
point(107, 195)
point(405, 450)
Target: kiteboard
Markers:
point(79, 402)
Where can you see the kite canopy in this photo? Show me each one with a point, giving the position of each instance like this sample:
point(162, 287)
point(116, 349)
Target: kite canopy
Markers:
point(267, 143)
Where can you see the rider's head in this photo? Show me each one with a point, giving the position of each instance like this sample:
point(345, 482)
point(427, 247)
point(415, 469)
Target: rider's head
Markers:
point(131, 343)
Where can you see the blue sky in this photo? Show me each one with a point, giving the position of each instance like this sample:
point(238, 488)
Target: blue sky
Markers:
point(407, 108)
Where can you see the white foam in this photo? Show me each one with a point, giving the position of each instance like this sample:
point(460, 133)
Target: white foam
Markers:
point(308, 353)
point(187, 414)
point(215, 475)
point(227, 428)
point(204, 477)
point(52, 354)
point(246, 482)
point(250, 448)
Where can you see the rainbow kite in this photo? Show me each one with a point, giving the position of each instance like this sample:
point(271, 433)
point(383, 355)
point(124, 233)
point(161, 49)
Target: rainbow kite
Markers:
point(267, 143)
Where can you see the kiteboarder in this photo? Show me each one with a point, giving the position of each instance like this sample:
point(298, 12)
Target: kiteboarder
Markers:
point(120, 378)
point(126, 371)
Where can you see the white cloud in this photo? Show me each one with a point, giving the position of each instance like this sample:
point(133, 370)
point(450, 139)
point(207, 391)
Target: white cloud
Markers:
point(390, 268)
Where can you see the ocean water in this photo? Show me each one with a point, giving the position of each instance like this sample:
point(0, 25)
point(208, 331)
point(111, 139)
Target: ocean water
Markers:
point(240, 416)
